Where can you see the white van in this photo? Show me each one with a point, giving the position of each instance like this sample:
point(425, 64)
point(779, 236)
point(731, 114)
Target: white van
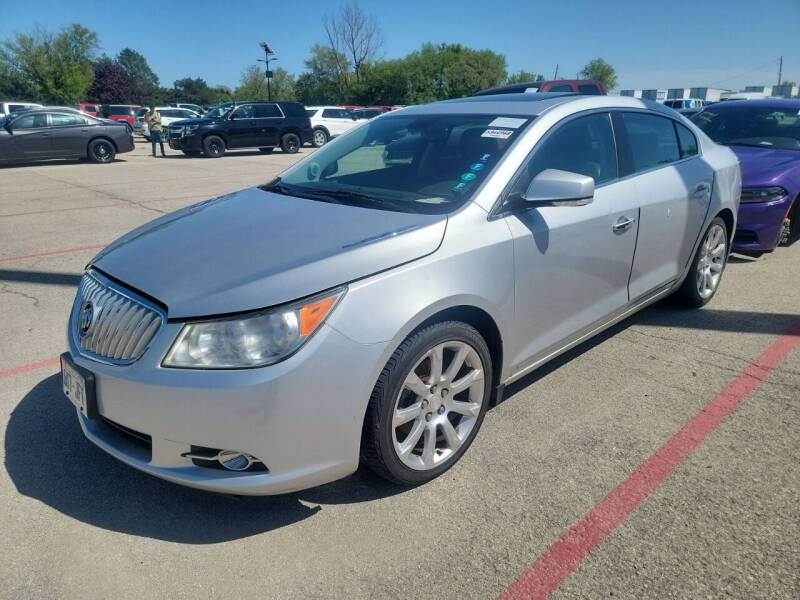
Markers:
point(9, 107)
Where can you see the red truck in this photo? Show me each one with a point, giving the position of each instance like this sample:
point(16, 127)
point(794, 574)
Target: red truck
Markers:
point(119, 112)
point(589, 87)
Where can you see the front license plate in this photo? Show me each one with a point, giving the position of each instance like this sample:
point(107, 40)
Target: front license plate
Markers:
point(78, 387)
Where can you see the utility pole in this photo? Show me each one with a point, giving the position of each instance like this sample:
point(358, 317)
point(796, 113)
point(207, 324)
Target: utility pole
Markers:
point(780, 70)
point(267, 52)
point(556, 75)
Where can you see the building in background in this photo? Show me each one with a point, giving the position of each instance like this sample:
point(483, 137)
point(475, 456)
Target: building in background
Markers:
point(712, 94)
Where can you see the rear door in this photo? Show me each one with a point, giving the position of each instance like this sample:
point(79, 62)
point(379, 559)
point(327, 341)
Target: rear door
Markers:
point(30, 137)
point(673, 184)
point(270, 119)
point(572, 262)
point(70, 133)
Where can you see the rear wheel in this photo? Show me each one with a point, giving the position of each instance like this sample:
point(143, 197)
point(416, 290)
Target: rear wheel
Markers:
point(213, 146)
point(290, 143)
point(101, 151)
point(320, 138)
point(428, 404)
point(704, 275)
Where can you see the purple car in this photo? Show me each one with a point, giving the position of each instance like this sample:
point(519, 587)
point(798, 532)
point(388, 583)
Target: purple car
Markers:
point(765, 135)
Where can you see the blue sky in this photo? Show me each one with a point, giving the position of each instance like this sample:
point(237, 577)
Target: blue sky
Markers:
point(671, 43)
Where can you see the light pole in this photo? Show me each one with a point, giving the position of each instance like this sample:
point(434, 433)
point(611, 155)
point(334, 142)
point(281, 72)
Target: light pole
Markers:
point(268, 51)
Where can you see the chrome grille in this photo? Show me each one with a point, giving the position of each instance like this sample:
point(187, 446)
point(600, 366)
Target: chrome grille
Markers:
point(112, 324)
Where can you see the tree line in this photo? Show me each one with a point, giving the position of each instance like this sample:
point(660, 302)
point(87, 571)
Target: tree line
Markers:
point(348, 68)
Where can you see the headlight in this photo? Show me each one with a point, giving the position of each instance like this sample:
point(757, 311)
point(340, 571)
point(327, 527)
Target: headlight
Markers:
point(189, 129)
point(762, 194)
point(252, 340)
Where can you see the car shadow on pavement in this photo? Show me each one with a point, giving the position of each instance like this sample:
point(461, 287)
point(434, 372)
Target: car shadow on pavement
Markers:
point(48, 458)
point(55, 162)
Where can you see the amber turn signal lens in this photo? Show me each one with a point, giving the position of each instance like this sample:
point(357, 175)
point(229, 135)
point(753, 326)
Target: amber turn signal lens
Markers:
point(312, 314)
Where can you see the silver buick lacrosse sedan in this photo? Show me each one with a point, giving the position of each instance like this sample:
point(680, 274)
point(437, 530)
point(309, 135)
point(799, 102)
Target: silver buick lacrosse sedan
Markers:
point(370, 303)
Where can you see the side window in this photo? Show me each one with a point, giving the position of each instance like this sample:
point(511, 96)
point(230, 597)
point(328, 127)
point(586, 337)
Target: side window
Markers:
point(584, 145)
point(65, 120)
point(264, 111)
point(589, 89)
point(244, 112)
point(652, 139)
point(31, 121)
point(333, 113)
point(560, 88)
point(687, 140)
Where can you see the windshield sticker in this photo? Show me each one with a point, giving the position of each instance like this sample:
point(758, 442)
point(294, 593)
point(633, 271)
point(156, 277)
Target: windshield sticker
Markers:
point(477, 166)
point(468, 176)
point(507, 122)
point(485, 157)
point(460, 186)
point(503, 134)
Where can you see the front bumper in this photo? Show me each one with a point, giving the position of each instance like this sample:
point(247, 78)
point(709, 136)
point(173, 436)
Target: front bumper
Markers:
point(301, 417)
point(179, 141)
point(759, 225)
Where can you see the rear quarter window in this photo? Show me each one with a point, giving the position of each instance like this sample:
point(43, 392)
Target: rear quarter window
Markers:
point(686, 140)
point(293, 109)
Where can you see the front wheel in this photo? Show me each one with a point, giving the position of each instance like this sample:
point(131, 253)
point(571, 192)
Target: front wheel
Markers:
point(428, 404)
point(290, 143)
point(320, 138)
point(705, 273)
point(213, 146)
point(101, 151)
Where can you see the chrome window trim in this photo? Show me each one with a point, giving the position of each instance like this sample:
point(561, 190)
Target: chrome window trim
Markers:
point(126, 293)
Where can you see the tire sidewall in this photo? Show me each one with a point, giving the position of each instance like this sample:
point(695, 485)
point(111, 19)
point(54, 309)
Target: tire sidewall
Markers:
point(286, 143)
point(93, 157)
point(314, 138)
point(424, 341)
point(207, 143)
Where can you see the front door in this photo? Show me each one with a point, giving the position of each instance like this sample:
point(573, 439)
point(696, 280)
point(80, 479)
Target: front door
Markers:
point(30, 137)
point(243, 127)
point(572, 263)
point(673, 185)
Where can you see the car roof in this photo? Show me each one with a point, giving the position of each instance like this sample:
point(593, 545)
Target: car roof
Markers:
point(773, 102)
point(532, 105)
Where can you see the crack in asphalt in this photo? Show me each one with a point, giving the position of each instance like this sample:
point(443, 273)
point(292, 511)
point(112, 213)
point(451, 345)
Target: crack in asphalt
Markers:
point(106, 194)
point(4, 289)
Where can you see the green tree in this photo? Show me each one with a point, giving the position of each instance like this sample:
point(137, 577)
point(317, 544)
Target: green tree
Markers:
point(254, 84)
point(222, 93)
point(145, 79)
point(327, 78)
point(57, 66)
point(385, 82)
point(601, 71)
point(523, 77)
point(195, 91)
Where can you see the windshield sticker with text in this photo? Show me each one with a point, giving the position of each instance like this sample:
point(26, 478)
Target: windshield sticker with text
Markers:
point(502, 134)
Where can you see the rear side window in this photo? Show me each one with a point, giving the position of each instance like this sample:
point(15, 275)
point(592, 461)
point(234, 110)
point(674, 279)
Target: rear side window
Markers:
point(118, 111)
point(65, 120)
point(584, 145)
point(310, 113)
point(560, 88)
point(589, 89)
point(335, 113)
point(265, 111)
point(652, 139)
point(687, 141)
point(294, 109)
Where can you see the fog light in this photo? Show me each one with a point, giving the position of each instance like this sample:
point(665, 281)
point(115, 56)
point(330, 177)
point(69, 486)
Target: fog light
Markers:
point(231, 460)
point(236, 461)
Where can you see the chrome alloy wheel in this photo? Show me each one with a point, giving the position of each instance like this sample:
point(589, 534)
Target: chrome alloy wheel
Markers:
point(320, 138)
point(438, 405)
point(712, 260)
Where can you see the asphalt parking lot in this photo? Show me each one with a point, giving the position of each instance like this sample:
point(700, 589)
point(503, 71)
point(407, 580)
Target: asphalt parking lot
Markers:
point(714, 513)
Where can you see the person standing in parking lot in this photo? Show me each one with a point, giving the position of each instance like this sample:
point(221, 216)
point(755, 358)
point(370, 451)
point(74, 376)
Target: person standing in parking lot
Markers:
point(153, 120)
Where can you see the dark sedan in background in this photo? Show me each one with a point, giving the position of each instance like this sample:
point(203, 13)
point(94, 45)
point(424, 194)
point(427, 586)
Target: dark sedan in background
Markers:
point(46, 133)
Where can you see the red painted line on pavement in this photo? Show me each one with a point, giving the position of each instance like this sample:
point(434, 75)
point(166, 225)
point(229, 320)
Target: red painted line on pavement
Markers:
point(563, 557)
point(120, 204)
point(31, 367)
point(51, 252)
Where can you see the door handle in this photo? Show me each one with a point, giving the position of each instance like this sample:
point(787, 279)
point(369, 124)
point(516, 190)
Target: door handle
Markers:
point(623, 223)
point(701, 190)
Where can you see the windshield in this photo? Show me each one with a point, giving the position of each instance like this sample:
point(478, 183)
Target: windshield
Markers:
point(220, 111)
point(761, 126)
point(431, 164)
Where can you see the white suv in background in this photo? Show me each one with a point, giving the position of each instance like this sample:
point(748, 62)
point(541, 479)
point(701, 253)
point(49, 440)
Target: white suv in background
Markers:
point(6, 108)
point(168, 115)
point(328, 122)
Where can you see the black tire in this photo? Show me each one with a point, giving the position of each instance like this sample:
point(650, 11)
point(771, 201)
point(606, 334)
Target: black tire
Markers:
point(791, 224)
point(213, 146)
point(101, 151)
point(377, 447)
point(191, 152)
point(689, 294)
point(290, 143)
point(266, 150)
point(319, 138)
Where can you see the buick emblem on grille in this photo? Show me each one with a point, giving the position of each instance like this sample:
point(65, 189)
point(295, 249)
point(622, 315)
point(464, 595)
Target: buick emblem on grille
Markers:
point(86, 317)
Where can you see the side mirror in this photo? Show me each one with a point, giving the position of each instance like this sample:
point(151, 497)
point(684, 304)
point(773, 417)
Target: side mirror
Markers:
point(553, 187)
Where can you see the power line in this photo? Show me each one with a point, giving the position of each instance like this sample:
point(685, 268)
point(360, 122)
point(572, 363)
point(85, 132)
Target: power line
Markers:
point(766, 64)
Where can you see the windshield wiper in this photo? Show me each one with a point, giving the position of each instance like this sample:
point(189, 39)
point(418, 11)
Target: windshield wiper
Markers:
point(358, 199)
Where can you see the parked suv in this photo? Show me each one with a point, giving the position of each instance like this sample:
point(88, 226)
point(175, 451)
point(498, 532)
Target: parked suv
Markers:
point(118, 112)
point(169, 114)
point(329, 121)
point(262, 125)
point(587, 87)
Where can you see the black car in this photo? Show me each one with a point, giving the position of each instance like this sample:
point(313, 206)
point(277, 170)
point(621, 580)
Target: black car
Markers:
point(262, 125)
point(44, 133)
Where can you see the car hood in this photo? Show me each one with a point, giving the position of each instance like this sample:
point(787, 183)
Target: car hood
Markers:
point(196, 121)
point(765, 166)
point(254, 249)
